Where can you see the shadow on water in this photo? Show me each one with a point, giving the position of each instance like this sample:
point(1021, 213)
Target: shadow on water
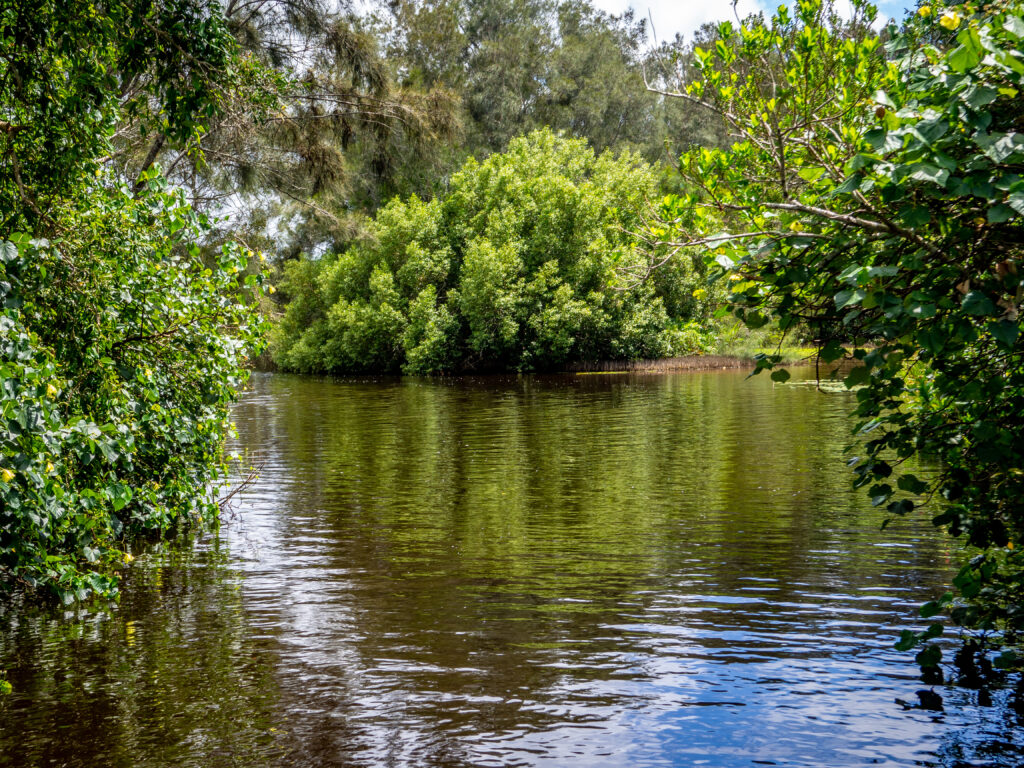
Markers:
point(658, 570)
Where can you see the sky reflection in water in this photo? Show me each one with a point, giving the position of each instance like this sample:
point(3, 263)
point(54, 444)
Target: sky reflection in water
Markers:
point(592, 571)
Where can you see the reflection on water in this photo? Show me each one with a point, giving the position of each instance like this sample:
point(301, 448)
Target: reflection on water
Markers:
point(586, 571)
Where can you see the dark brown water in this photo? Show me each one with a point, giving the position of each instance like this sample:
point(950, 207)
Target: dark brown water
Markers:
point(581, 571)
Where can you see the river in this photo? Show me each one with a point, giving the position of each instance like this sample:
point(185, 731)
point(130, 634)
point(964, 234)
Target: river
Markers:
point(594, 570)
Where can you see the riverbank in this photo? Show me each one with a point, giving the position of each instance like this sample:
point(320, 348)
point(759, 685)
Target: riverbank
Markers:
point(791, 357)
point(731, 360)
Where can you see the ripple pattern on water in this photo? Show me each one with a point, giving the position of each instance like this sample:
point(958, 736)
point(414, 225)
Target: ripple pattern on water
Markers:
point(579, 571)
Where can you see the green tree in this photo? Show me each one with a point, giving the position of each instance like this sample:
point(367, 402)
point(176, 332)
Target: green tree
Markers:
point(70, 71)
point(878, 196)
point(517, 268)
point(520, 65)
point(122, 339)
point(305, 126)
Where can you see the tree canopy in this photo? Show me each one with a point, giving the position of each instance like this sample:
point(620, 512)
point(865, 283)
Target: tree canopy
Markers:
point(877, 196)
point(517, 268)
point(123, 338)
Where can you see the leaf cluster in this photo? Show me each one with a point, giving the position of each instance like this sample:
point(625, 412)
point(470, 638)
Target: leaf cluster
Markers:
point(122, 338)
point(122, 345)
point(876, 194)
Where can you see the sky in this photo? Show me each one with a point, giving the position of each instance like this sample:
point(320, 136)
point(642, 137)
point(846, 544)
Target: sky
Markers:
point(685, 16)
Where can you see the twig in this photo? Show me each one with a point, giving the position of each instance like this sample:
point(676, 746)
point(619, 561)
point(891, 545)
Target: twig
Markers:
point(250, 478)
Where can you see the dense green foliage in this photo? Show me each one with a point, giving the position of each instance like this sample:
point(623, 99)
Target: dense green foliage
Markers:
point(123, 340)
point(520, 65)
point(882, 203)
point(70, 72)
point(395, 101)
point(519, 267)
point(302, 116)
point(117, 367)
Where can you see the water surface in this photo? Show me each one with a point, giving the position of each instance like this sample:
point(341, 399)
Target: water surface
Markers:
point(660, 570)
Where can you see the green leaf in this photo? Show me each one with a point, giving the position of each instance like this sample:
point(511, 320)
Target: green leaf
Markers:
point(120, 496)
point(857, 376)
point(832, 351)
point(848, 297)
point(965, 57)
point(968, 583)
point(851, 185)
point(915, 215)
point(876, 138)
point(860, 161)
point(107, 450)
point(1014, 25)
point(901, 507)
point(1001, 147)
point(1005, 332)
point(1016, 201)
point(1008, 61)
point(911, 484)
point(921, 309)
point(755, 319)
point(880, 494)
point(881, 97)
point(781, 376)
point(931, 130)
point(926, 172)
point(982, 96)
point(907, 641)
point(977, 303)
point(999, 214)
point(724, 261)
point(970, 52)
point(8, 251)
point(883, 270)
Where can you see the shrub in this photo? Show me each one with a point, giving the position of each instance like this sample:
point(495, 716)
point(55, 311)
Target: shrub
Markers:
point(122, 345)
point(522, 266)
